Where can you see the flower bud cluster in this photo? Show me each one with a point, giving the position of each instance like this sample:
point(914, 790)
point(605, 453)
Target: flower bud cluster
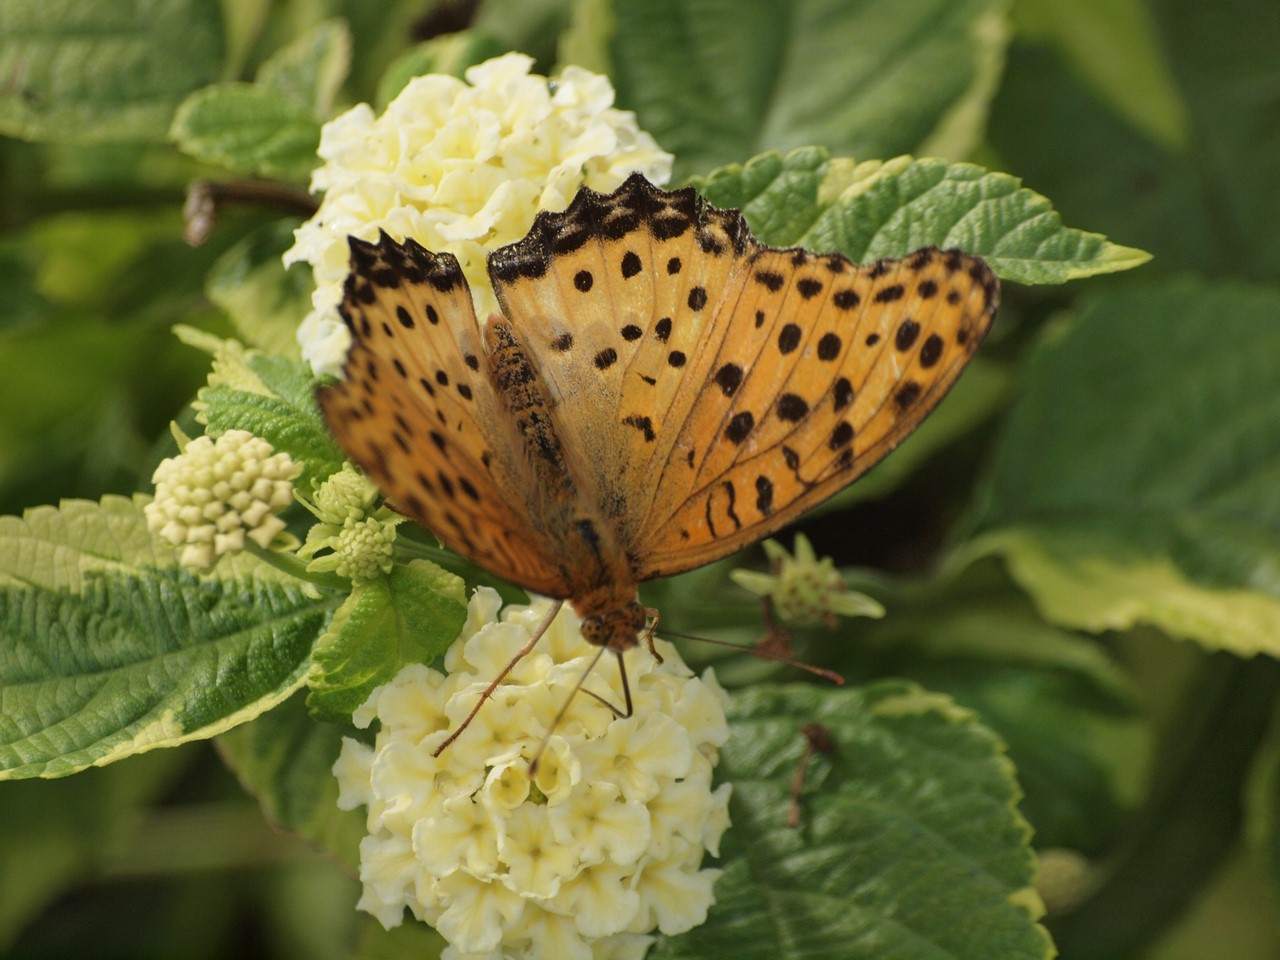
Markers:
point(217, 492)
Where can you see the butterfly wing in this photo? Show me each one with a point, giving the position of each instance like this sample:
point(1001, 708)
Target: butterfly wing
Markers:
point(417, 410)
point(710, 390)
point(810, 371)
point(611, 299)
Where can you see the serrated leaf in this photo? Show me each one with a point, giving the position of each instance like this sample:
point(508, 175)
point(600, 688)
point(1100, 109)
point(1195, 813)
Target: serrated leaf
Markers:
point(727, 78)
point(873, 210)
point(452, 54)
point(1066, 710)
point(87, 71)
point(910, 846)
point(265, 300)
point(1210, 210)
point(110, 649)
point(248, 129)
point(1139, 479)
point(409, 616)
point(310, 70)
point(291, 420)
point(1063, 706)
point(285, 759)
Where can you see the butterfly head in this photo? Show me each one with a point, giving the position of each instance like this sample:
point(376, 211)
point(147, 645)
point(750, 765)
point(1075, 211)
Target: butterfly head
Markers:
point(618, 629)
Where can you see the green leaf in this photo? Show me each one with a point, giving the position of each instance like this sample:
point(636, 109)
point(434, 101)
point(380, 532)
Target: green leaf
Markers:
point(873, 210)
point(1066, 709)
point(285, 759)
point(291, 420)
point(728, 78)
point(530, 26)
point(1223, 58)
point(910, 846)
point(1063, 706)
point(62, 833)
point(1114, 46)
point(1206, 207)
point(248, 129)
point(409, 616)
point(110, 649)
point(86, 71)
point(265, 300)
point(1139, 479)
point(310, 70)
point(1049, 126)
point(1262, 805)
point(452, 53)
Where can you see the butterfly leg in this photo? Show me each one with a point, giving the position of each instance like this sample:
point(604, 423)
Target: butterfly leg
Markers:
point(777, 639)
point(626, 691)
point(654, 616)
point(488, 692)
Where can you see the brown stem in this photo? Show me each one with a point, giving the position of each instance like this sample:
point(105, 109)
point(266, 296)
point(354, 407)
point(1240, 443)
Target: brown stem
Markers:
point(205, 198)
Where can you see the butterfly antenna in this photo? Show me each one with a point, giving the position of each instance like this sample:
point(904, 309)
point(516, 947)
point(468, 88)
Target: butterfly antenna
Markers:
point(829, 675)
point(488, 692)
point(564, 708)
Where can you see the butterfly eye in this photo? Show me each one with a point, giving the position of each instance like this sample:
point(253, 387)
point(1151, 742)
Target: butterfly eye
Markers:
point(637, 616)
point(595, 631)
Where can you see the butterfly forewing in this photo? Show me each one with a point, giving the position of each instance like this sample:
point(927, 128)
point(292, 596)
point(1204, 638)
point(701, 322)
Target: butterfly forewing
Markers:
point(809, 373)
point(611, 299)
point(417, 411)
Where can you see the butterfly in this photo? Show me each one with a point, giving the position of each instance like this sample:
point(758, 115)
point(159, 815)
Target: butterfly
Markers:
point(660, 389)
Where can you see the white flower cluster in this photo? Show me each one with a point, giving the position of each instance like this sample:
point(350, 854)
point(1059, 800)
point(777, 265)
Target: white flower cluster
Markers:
point(583, 861)
point(217, 492)
point(460, 167)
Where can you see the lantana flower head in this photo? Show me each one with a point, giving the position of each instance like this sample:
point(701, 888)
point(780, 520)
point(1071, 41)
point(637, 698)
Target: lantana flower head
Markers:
point(217, 492)
point(805, 590)
point(586, 858)
point(461, 167)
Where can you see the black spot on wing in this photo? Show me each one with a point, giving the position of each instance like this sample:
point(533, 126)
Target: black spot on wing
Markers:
point(740, 426)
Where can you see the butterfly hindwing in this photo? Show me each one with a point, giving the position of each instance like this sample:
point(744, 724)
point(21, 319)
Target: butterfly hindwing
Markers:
point(418, 412)
point(812, 369)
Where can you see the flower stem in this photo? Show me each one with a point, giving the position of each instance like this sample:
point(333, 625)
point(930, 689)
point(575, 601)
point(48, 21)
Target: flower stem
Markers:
point(292, 565)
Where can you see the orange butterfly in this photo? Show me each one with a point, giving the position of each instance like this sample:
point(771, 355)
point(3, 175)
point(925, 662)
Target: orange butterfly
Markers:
point(660, 390)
